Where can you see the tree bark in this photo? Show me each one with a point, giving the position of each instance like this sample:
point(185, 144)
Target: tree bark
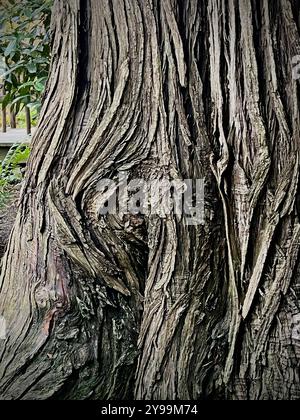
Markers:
point(28, 119)
point(4, 115)
point(12, 119)
point(148, 307)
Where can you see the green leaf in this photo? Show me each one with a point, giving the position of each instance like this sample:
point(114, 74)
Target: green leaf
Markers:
point(28, 13)
point(14, 81)
point(10, 48)
point(5, 100)
point(11, 70)
point(25, 85)
point(41, 60)
point(21, 99)
point(31, 67)
point(35, 106)
point(39, 86)
point(17, 108)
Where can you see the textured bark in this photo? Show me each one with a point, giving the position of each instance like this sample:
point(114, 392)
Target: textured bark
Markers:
point(116, 307)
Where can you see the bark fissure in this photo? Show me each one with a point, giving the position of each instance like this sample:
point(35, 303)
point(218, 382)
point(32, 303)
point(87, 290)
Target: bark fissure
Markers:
point(123, 305)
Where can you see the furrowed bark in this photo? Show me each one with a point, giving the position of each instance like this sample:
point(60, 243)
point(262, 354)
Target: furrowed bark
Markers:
point(152, 307)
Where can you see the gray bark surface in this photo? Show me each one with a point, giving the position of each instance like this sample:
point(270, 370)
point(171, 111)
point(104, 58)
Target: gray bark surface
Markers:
point(144, 307)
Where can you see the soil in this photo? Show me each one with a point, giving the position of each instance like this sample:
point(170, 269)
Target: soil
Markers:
point(8, 214)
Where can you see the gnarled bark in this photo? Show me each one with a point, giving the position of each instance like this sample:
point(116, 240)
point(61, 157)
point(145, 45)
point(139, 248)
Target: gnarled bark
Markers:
point(116, 307)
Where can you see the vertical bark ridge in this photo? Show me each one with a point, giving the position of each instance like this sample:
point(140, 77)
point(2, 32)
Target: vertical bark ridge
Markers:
point(116, 306)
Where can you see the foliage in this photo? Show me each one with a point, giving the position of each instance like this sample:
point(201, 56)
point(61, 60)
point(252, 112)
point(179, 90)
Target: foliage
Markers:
point(21, 119)
point(4, 195)
point(10, 168)
point(25, 51)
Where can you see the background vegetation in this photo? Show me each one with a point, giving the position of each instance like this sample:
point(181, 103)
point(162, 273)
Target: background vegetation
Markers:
point(25, 52)
point(24, 66)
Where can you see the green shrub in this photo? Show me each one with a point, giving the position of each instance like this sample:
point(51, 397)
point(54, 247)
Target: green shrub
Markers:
point(11, 170)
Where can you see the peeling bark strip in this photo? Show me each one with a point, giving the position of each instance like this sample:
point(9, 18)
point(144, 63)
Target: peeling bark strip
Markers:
point(116, 307)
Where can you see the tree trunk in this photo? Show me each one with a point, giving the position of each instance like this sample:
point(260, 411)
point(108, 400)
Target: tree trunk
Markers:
point(12, 119)
point(112, 306)
point(4, 115)
point(28, 120)
point(4, 124)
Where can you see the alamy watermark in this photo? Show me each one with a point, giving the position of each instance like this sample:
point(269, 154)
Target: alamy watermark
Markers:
point(158, 197)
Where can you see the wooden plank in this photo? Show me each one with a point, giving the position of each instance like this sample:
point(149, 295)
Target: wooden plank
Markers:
point(14, 136)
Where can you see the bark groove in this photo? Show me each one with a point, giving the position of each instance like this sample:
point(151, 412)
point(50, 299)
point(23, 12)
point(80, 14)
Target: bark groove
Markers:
point(122, 306)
